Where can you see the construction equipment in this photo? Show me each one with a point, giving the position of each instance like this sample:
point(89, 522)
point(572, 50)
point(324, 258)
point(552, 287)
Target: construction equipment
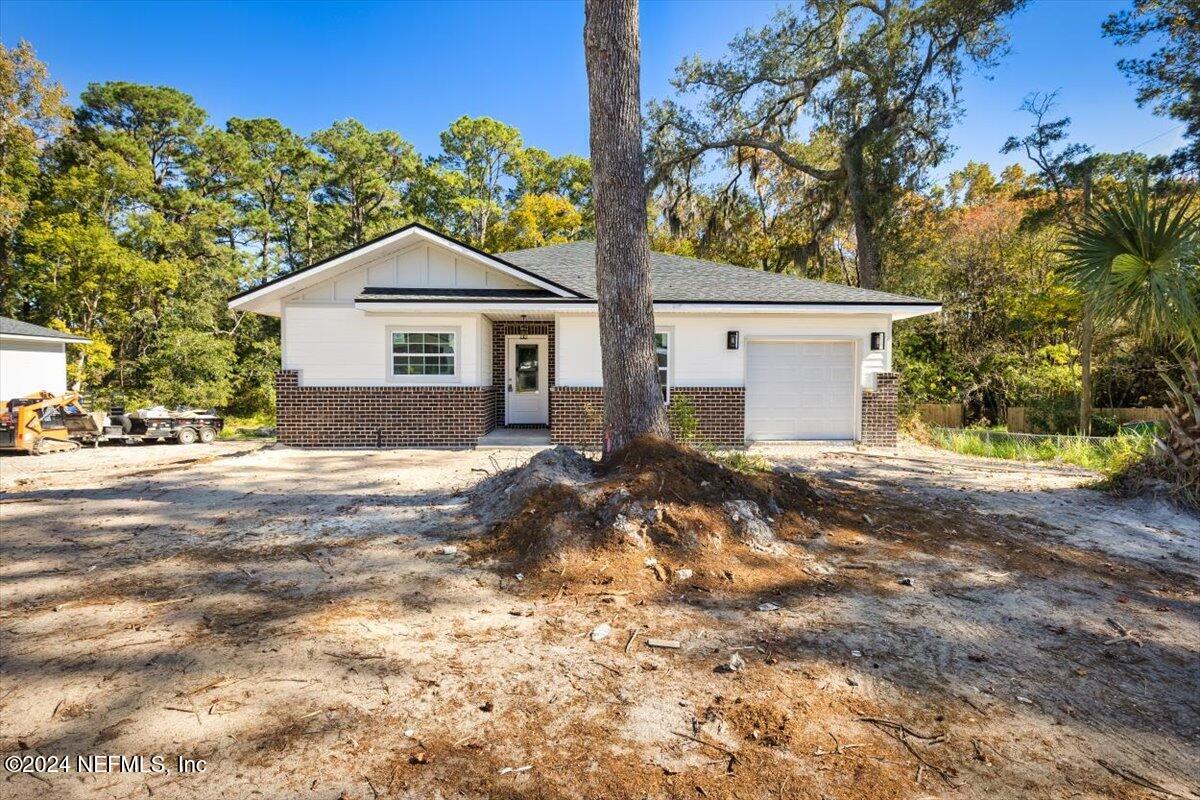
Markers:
point(46, 423)
point(183, 426)
point(43, 423)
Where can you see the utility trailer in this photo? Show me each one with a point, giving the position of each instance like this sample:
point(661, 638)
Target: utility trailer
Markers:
point(157, 424)
point(45, 423)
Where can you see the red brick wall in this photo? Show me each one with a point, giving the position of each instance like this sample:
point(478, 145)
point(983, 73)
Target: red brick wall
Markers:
point(577, 414)
point(503, 328)
point(879, 411)
point(381, 416)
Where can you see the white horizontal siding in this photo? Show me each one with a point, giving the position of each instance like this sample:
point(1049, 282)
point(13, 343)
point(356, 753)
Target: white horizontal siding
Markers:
point(28, 367)
point(698, 346)
point(341, 346)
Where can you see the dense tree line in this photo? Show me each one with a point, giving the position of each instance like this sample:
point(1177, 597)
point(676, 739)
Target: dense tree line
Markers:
point(131, 219)
point(987, 246)
point(812, 147)
point(815, 147)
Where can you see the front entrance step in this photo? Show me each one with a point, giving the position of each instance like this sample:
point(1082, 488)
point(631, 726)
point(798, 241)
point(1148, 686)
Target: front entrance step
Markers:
point(515, 437)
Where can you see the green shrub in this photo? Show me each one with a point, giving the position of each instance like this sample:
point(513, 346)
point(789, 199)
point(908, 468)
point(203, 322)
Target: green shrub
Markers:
point(681, 414)
point(247, 427)
point(1105, 425)
point(1055, 414)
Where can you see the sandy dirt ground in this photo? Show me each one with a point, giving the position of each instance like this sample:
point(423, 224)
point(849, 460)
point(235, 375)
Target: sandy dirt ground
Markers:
point(307, 623)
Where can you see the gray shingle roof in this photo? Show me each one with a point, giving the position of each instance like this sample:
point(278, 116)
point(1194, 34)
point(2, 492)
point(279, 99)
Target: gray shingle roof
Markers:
point(692, 280)
point(374, 294)
point(14, 327)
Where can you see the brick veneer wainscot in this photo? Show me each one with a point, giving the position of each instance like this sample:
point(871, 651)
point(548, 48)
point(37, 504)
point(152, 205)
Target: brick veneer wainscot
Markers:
point(879, 411)
point(503, 328)
point(381, 416)
point(577, 414)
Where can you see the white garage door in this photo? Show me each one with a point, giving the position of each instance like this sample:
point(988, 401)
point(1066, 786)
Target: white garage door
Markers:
point(800, 390)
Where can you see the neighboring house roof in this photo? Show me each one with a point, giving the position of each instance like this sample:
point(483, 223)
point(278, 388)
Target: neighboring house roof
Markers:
point(375, 294)
point(677, 279)
point(16, 328)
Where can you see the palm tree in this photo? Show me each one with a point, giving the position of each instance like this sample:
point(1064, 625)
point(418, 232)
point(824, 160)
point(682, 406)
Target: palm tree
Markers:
point(1136, 257)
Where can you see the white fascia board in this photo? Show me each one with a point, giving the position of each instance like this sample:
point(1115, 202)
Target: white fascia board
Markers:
point(895, 311)
point(266, 299)
point(19, 337)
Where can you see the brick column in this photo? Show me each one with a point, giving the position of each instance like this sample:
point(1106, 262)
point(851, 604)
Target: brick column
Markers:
point(879, 411)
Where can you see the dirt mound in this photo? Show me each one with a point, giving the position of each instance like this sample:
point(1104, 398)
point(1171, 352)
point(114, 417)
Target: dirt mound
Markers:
point(501, 495)
point(652, 496)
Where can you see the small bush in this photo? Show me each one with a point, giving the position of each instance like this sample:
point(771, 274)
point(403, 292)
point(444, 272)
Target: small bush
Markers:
point(248, 427)
point(1105, 425)
point(1059, 414)
point(682, 416)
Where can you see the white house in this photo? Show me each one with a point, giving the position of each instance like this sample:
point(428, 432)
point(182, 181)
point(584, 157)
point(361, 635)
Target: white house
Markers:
point(415, 339)
point(32, 359)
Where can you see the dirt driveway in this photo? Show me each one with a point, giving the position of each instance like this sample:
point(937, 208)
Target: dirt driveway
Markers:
point(303, 622)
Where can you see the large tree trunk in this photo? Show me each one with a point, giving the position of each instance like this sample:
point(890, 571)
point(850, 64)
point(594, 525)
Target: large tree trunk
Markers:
point(1182, 439)
point(867, 252)
point(1085, 370)
point(632, 402)
point(1087, 333)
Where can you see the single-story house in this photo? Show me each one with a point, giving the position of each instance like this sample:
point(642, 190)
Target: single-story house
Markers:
point(416, 339)
point(32, 359)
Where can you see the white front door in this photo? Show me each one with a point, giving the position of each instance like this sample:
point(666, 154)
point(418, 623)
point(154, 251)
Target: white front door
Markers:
point(526, 395)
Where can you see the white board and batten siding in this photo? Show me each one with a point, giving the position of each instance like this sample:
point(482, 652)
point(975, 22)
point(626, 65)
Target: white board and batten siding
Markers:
point(423, 266)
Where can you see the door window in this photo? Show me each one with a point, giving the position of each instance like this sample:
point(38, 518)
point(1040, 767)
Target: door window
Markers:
point(527, 367)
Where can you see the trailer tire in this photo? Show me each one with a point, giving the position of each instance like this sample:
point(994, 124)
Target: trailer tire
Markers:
point(207, 435)
point(186, 436)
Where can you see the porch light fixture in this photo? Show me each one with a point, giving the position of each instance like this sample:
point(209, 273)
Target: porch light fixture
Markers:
point(877, 340)
point(731, 340)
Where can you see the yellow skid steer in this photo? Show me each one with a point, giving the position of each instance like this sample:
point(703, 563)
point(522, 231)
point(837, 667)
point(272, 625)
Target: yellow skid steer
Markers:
point(43, 423)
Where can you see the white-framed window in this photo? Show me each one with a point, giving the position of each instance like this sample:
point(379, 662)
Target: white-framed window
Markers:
point(424, 354)
point(662, 354)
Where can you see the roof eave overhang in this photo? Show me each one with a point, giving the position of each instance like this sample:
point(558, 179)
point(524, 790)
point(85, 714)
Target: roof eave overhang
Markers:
point(21, 337)
point(267, 298)
point(895, 311)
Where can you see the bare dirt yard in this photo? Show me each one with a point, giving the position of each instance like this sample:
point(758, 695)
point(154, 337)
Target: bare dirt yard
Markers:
point(333, 624)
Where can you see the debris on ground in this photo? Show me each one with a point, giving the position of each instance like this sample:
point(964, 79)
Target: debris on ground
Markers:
point(312, 641)
point(735, 663)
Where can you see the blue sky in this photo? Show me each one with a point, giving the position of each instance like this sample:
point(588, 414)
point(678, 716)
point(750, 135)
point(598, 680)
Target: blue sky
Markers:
point(414, 67)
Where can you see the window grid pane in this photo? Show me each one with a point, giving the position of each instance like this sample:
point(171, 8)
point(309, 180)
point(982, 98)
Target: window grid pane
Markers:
point(662, 355)
point(422, 353)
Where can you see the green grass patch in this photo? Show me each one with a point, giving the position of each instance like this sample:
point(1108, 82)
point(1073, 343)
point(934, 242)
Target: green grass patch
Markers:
point(250, 427)
point(1104, 455)
point(741, 461)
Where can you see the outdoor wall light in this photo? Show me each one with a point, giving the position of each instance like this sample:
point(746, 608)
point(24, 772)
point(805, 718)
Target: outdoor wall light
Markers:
point(731, 340)
point(877, 340)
